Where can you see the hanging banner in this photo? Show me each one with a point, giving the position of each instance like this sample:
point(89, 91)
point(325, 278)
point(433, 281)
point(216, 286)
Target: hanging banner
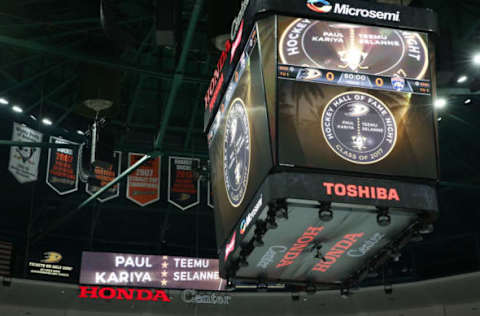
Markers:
point(210, 194)
point(183, 190)
point(62, 168)
point(24, 160)
point(104, 176)
point(143, 185)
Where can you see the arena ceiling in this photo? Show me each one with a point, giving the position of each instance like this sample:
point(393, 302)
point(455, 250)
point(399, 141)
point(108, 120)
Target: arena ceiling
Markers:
point(56, 54)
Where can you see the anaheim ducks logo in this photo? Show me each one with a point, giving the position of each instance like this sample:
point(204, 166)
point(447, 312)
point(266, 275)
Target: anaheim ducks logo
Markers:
point(359, 127)
point(354, 48)
point(51, 257)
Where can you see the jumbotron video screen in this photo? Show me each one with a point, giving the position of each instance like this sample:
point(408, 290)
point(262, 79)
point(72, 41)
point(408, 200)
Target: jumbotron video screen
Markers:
point(355, 98)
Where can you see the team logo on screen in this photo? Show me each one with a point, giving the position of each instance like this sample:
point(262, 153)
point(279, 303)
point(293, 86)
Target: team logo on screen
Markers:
point(359, 127)
point(320, 6)
point(236, 152)
point(354, 48)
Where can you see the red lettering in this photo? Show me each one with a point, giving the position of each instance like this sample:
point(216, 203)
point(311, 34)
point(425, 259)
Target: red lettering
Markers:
point(329, 260)
point(140, 296)
point(85, 291)
point(335, 253)
point(162, 295)
point(313, 231)
point(344, 244)
point(393, 195)
point(329, 187)
point(353, 237)
point(372, 191)
point(352, 190)
point(321, 267)
point(103, 295)
point(284, 263)
point(305, 239)
point(340, 189)
point(363, 192)
point(297, 247)
point(125, 294)
point(382, 194)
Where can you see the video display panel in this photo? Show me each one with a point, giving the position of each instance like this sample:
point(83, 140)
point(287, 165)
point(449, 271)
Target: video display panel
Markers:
point(355, 98)
point(239, 141)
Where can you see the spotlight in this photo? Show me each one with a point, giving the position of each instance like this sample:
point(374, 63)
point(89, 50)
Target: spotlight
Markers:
point(47, 122)
point(383, 219)
point(33, 117)
point(242, 262)
point(79, 132)
point(462, 79)
point(325, 213)
point(440, 103)
point(476, 59)
point(3, 101)
point(439, 119)
point(17, 109)
point(467, 101)
point(388, 289)
point(344, 293)
point(271, 224)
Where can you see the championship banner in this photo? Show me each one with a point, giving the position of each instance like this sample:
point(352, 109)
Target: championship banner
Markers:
point(62, 168)
point(149, 271)
point(24, 160)
point(210, 195)
point(183, 190)
point(143, 185)
point(104, 176)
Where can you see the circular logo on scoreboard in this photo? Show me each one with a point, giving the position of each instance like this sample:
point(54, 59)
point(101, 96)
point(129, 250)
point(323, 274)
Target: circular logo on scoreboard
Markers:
point(236, 152)
point(354, 48)
point(320, 6)
point(359, 127)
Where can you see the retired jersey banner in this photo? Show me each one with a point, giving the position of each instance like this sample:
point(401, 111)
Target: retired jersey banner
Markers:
point(104, 176)
point(143, 185)
point(24, 160)
point(62, 168)
point(183, 190)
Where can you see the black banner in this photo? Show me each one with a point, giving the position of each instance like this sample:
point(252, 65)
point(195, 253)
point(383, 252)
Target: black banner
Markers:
point(103, 176)
point(183, 189)
point(62, 167)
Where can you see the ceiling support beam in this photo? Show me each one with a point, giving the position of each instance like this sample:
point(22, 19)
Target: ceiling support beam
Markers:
point(178, 78)
point(33, 78)
point(51, 93)
point(74, 55)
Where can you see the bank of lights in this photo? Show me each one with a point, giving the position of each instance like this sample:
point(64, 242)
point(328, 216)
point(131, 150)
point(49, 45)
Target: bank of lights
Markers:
point(3, 101)
point(467, 101)
point(47, 121)
point(440, 103)
point(17, 109)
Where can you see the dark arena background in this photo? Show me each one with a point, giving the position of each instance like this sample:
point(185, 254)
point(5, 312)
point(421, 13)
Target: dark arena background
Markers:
point(241, 157)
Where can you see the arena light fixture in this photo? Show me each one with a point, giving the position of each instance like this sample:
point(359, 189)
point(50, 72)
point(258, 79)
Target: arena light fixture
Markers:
point(467, 101)
point(47, 121)
point(462, 79)
point(476, 59)
point(17, 109)
point(440, 103)
point(79, 132)
point(33, 117)
point(3, 101)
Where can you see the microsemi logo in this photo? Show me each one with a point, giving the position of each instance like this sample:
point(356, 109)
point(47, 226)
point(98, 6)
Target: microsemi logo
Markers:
point(323, 6)
point(320, 6)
